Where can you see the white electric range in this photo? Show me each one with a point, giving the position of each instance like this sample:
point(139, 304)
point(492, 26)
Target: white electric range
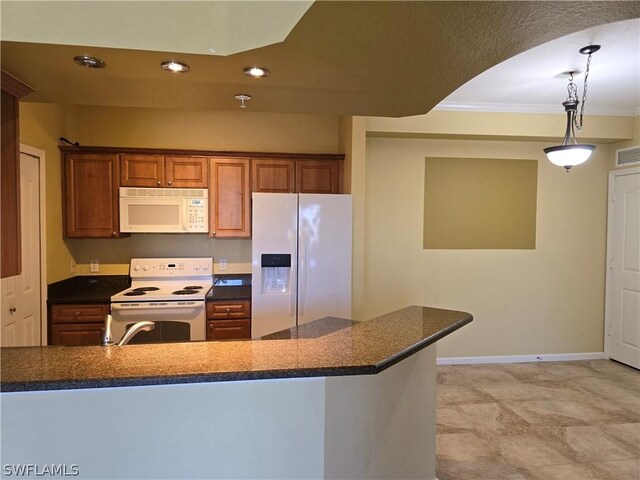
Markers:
point(168, 291)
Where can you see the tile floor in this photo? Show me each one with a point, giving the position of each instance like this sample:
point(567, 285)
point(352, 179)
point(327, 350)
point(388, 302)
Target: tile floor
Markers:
point(539, 421)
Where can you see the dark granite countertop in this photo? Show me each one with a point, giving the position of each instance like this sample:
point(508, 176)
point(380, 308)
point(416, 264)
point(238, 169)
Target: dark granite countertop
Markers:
point(231, 287)
point(86, 289)
point(100, 288)
point(327, 347)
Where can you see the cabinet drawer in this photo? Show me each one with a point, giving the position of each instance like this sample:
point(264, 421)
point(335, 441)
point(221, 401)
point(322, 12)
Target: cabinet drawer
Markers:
point(79, 313)
point(225, 310)
point(228, 329)
point(76, 334)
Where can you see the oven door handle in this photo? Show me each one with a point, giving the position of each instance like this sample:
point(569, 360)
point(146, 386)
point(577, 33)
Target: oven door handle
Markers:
point(157, 306)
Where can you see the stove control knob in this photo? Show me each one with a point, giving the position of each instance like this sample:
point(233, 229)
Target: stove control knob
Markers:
point(145, 268)
point(136, 268)
point(205, 267)
point(196, 267)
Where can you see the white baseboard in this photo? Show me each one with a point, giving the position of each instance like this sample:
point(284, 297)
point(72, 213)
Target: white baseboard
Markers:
point(546, 357)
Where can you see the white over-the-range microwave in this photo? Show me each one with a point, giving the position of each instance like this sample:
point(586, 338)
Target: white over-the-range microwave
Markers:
point(164, 210)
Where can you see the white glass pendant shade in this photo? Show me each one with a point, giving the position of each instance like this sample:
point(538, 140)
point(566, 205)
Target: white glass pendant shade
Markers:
point(568, 156)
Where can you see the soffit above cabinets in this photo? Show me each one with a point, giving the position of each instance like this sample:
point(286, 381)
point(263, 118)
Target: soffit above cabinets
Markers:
point(390, 59)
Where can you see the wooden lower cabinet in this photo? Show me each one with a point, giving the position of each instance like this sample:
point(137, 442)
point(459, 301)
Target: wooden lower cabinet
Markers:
point(228, 320)
point(228, 329)
point(77, 324)
point(76, 334)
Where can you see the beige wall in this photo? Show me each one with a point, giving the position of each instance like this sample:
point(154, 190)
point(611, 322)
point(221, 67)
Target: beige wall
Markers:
point(547, 300)
point(633, 142)
point(353, 143)
point(42, 125)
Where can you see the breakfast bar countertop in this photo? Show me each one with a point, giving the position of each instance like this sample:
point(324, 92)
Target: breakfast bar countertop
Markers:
point(327, 347)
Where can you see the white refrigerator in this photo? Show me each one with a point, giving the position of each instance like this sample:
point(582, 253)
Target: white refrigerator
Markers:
point(301, 259)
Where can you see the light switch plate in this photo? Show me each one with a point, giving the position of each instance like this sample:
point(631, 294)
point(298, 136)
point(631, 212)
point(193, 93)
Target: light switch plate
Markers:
point(94, 266)
point(223, 264)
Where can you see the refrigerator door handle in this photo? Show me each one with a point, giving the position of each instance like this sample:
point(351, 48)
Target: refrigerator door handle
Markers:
point(302, 274)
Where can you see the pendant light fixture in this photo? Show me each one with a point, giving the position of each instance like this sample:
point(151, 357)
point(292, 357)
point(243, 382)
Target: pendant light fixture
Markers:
point(572, 153)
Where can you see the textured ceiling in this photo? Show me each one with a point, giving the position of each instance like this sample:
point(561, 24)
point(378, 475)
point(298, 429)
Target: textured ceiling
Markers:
point(535, 81)
point(347, 58)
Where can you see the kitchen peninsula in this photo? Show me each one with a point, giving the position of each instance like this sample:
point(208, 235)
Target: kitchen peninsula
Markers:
point(330, 399)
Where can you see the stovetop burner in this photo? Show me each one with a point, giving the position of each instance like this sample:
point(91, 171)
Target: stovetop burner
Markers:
point(145, 289)
point(134, 293)
point(192, 287)
point(186, 291)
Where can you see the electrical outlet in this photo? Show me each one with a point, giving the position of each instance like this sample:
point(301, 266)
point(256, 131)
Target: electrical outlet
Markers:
point(73, 266)
point(223, 264)
point(94, 266)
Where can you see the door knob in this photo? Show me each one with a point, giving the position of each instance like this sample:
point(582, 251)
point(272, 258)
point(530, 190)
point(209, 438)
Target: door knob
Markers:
point(12, 310)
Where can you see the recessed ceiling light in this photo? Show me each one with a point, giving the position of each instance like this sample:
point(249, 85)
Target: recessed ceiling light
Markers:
point(257, 72)
point(87, 61)
point(175, 67)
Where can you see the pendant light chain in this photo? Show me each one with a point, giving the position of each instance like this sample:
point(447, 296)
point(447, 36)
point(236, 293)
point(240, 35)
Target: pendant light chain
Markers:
point(577, 124)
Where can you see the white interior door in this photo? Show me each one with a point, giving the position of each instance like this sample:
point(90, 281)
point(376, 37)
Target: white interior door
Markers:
point(21, 315)
point(624, 268)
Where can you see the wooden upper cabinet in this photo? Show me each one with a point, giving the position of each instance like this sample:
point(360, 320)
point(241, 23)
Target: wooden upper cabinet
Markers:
point(11, 258)
point(186, 172)
point(273, 175)
point(143, 170)
point(317, 176)
point(230, 198)
point(90, 192)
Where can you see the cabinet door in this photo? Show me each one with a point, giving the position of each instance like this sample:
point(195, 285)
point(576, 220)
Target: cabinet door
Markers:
point(273, 175)
point(11, 258)
point(10, 189)
point(228, 329)
point(91, 195)
point(76, 334)
point(186, 172)
point(317, 176)
point(142, 170)
point(230, 198)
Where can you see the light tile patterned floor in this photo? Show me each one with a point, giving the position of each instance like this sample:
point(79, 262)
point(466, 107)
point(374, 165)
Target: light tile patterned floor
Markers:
point(539, 421)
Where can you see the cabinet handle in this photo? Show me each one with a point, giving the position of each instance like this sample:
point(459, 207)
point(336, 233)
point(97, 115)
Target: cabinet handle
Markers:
point(228, 310)
point(12, 310)
point(114, 234)
point(169, 182)
point(159, 183)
